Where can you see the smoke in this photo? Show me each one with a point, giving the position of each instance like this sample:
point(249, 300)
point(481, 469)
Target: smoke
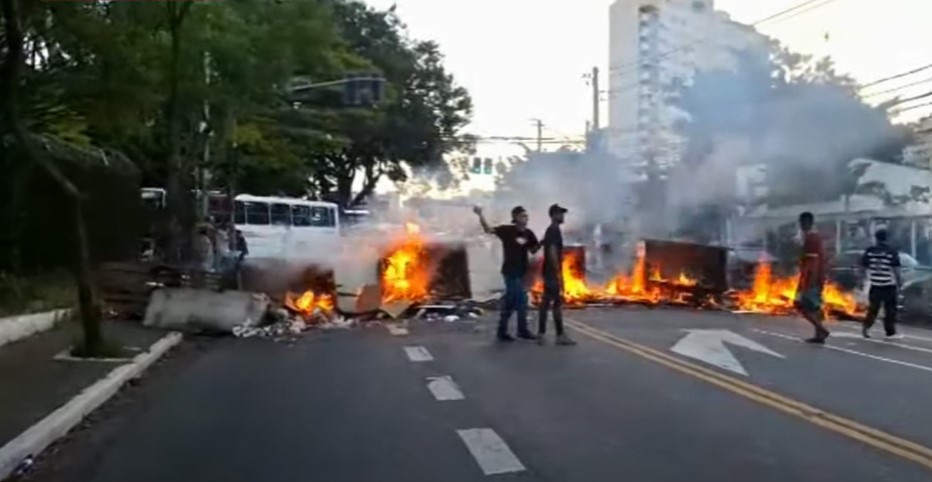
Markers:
point(805, 133)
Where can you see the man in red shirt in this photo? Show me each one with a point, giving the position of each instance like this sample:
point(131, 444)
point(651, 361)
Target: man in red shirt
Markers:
point(811, 278)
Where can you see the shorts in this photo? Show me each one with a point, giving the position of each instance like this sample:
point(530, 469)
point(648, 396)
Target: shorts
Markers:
point(810, 299)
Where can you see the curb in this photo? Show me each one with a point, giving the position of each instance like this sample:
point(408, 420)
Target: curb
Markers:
point(14, 328)
point(37, 438)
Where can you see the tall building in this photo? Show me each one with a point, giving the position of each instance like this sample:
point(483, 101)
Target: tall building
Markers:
point(655, 47)
point(919, 153)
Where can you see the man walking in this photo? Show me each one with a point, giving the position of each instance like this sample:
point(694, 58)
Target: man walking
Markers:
point(517, 242)
point(811, 278)
point(552, 275)
point(882, 264)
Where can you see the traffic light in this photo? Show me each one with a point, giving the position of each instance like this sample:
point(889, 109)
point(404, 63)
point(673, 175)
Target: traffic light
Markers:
point(487, 166)
point(351, 90)
point(476, 166)
point(363, 89)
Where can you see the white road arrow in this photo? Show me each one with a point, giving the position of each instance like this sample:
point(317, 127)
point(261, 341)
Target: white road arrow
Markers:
point(709, 346)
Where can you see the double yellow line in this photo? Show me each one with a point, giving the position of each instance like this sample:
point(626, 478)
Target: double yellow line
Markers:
point(849, 428)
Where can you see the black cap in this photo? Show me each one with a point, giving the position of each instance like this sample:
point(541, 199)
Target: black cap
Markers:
point(556, 209)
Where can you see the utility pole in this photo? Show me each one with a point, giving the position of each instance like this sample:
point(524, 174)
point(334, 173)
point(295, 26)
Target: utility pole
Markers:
point(540, 134)
point(595, 98)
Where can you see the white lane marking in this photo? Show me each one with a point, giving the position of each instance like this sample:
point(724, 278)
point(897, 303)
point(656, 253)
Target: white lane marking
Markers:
point(709, 346)
point(490, 451)
point(882, 341)
point(418, 354)
point(397, 330)
point(852, 352)
point(444, 388)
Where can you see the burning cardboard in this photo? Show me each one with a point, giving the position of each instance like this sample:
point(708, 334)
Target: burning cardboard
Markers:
point(414, 270)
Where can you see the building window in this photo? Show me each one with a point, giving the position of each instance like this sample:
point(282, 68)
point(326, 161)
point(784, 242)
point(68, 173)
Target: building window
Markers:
point(698, 6)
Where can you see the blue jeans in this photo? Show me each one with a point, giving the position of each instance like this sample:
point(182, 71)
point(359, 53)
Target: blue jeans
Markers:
point(515, 299)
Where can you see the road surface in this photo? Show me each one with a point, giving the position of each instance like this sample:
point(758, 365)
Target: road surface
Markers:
point(640, 398)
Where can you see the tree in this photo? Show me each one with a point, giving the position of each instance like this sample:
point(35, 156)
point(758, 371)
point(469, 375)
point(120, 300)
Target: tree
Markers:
point(420, 122)
point(13, 123)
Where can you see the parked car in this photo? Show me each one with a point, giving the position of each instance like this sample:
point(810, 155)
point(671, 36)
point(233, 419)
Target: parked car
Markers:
point(915, 295)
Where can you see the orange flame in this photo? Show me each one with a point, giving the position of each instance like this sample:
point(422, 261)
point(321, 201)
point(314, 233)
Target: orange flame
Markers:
point(768, 294)
point(405, 276)
point(773, 295)
point(310, 302)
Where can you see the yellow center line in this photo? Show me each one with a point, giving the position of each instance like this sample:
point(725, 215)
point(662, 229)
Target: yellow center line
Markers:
point(849, 428)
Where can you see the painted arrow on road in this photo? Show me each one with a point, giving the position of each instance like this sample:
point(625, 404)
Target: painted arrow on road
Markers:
point(709, 346)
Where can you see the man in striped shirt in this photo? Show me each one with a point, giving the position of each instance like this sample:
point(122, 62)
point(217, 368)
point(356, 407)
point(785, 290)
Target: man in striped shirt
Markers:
point(882, 264)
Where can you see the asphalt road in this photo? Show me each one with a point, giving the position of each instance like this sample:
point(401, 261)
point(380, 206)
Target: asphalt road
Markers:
point(366, 405)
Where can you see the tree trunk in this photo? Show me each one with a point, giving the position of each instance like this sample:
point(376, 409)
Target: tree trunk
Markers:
point(345, 189)
point(89, 306)
point(89, 303)
point(177, 198)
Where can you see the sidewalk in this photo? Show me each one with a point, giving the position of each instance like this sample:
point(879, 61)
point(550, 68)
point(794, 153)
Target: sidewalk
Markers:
point(33, 383)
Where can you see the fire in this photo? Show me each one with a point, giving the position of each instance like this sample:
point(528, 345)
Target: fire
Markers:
point(310, 302)
point(773, 295)
point(635, 287)
point(405, 276)
point(769, 294)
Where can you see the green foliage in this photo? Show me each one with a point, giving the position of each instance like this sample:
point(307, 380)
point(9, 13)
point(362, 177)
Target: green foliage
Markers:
point(37, 293)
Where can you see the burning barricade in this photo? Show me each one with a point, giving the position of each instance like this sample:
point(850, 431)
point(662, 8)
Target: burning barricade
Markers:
point(681, 274)
point(424, 277)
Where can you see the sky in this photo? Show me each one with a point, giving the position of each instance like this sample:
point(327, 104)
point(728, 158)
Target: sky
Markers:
point(525, 59)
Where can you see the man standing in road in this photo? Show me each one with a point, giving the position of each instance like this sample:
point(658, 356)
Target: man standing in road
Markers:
point(517, 242)
point(811, 278)
point(552, 275)
point(882, 264)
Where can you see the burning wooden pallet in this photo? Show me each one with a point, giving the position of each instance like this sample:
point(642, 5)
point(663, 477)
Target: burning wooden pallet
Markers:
point(424, 273)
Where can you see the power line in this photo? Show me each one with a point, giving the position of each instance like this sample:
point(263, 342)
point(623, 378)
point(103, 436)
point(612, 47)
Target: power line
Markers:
point(769, 18)
point(897, 76)
point(798, 13)
point(784, 11)
point(911, 107)
point(911, 84)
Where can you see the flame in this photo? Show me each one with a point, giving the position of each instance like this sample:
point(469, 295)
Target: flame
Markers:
point(310, 302)
point(768, 294)
point(776, 295)
point(405, 276)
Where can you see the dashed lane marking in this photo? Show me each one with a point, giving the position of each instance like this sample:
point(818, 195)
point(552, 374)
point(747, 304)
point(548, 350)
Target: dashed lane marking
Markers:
point(418, 354)
point(490, 451)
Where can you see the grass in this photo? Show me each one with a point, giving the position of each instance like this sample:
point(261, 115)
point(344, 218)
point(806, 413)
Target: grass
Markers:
point(34, 294)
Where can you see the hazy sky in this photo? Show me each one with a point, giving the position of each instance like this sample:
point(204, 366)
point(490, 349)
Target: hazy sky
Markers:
point(524, 59)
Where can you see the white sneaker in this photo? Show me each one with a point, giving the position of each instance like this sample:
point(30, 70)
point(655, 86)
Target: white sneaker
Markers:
point(895, 337)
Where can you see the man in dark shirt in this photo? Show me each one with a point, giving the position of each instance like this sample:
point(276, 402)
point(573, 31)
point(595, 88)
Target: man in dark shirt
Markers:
point(882, 264)
point(517, 242)
point(552, 275)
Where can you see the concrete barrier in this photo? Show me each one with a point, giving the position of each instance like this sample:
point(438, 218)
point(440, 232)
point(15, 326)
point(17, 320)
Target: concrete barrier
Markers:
point(186, 309)
point(13, 328)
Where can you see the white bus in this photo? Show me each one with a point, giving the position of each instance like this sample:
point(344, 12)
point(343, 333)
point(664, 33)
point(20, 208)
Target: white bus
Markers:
point(282, 227)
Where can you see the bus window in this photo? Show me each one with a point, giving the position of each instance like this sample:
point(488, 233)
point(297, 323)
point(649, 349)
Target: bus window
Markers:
point(301, 215)
point(323, 217)
point(239, 213)
point(257, 213)
point(281, 214)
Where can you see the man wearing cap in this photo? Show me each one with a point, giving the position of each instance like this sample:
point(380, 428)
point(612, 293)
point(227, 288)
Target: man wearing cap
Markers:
point(517, 243)
point(553, 278)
